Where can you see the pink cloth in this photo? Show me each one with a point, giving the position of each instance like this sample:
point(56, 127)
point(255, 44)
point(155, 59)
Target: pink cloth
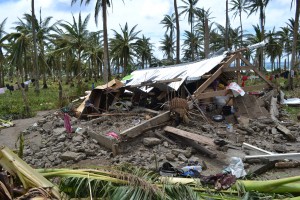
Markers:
point(67, 123)
point(113, 135)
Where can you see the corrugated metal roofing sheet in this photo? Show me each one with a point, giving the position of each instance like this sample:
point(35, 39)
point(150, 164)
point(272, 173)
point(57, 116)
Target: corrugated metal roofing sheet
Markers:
point(186, 71)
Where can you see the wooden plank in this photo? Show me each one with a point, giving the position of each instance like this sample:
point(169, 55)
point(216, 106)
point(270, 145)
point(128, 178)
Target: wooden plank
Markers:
point(214, 76)
point(150, 83)
point(200, 148)
point(139, 129)
point(102, 140)
point(257, 71)
point(192, 136)
point(233, 69)
point(206, 95)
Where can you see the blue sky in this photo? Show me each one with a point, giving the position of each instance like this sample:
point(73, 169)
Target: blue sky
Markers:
point(146, 13)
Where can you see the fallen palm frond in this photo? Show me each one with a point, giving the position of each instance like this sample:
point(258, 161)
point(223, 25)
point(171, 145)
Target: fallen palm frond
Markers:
point(29, 177)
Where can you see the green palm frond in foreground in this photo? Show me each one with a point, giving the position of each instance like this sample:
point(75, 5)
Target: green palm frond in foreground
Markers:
point(127, 182)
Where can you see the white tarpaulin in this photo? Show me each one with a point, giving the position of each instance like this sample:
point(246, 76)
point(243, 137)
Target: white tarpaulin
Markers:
point(186, 71)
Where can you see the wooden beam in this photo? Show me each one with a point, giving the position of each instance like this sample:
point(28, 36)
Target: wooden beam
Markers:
point(139, 129)
point(214, 76)
point(206, 95)
point(238, 65)
point(261, 75)
point(192, 136)
point(233, 69)
point(150, 83)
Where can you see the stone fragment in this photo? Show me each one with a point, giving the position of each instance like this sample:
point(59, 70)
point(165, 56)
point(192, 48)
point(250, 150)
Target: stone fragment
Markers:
point(182, 157)
point(170, 157)
point(69, 155)
point(151, 141)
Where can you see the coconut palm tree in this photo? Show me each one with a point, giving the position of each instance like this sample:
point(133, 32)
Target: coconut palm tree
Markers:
point(76, 38)
point(190, 9)
point(35, 62)
point(284, 36)
point(254, 6)
point(273, 49)
point(203, 28)
point(123, 45)
point(102, 4)
point(191, 40)
point(2, 33)
point(95, 53)
point(167, 47)
point(255, 38)
point(238, 7)
point(177, 32)
point(169, 23)
point(295, 41)
point(144, 51)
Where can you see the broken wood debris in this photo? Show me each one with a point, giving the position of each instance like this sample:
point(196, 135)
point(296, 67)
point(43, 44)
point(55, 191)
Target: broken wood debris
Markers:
point(286, 132)
point(192, 136)
point(139, 129)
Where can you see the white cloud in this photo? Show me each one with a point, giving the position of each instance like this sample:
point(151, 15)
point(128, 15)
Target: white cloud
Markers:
point(146, 13)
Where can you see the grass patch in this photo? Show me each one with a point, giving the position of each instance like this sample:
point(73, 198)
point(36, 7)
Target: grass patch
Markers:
point(12, 105)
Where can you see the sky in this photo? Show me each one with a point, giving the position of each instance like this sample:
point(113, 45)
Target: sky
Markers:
point(146, 14)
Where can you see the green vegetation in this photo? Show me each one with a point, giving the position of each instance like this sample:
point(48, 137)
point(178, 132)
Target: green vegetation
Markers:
point(12, 105)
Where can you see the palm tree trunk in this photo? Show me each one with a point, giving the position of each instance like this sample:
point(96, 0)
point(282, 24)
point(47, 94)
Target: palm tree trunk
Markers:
point(177, 33)
point(241, 29)
point(262, 26)
point(294, 47)
point(35, 63)
point(226, 27)
point(206, 38)
point(106, 74)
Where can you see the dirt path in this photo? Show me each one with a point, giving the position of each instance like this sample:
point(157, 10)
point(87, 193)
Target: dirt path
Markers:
point(9, 136)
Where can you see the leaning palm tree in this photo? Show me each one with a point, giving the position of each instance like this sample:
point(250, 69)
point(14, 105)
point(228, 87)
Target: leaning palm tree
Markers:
point(2, 33)
point(189, 9)
point(238, 7)
point(123, 44)
point(102, 4)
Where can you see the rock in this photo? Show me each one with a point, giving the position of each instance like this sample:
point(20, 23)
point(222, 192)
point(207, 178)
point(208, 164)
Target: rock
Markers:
point(51, 158)
point(273, 131)
point(90, 152)
point(61, 138)
point(170, 157)
point(166, 144)
point(69, 155)
point(59, 131)
point(59, 147)
point(151, 141)
point(182, 157)
point(78, 138)
point(47, 127)
point(265, 120)
point(187, 153)
point(279, 148)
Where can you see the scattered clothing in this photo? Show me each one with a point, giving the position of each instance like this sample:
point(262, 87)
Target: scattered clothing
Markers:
point(67, 123)
point(2, 90)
